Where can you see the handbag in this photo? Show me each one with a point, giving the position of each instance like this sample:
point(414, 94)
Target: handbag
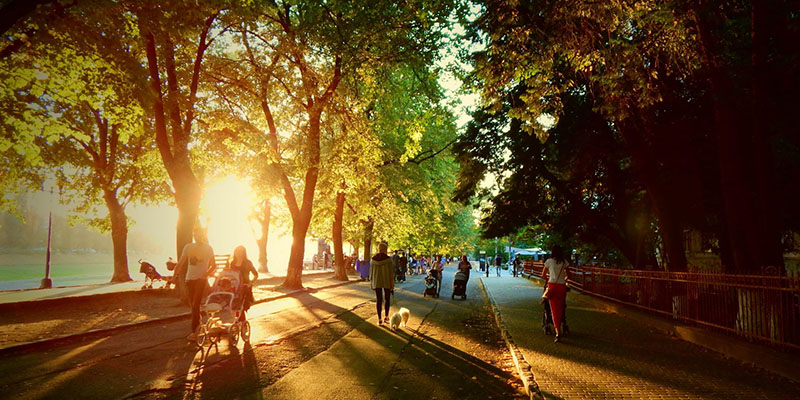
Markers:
point(546, 293)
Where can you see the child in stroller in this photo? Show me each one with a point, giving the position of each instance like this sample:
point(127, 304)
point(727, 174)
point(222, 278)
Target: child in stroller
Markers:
point(222, 312)
point(460, 286)
point(431, 284)
point(151, 275)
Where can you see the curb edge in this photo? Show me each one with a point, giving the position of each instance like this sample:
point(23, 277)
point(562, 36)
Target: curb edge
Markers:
point(524, 369)
point(172, 318)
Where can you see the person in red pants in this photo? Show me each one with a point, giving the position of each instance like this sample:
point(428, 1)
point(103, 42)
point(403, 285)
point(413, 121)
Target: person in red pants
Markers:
point(555, 272)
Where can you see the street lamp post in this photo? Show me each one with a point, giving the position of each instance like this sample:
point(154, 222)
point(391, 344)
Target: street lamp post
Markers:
point(46, 282)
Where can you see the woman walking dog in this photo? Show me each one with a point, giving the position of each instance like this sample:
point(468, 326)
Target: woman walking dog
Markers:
point(381, 278)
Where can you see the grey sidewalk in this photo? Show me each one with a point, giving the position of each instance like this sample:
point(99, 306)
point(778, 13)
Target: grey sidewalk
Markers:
point(610, 356)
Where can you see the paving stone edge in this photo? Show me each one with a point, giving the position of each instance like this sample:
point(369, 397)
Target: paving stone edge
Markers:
point(152, 321)
point(524, 369)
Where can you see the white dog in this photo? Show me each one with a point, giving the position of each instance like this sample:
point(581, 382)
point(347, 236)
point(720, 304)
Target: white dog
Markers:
point(400, 318)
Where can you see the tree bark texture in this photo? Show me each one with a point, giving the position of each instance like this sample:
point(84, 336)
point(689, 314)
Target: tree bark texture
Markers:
point(670, 227)
point(744, 158)
point(262, 241)
point(338, 248)
point(368, 227)
point(301, 218)
point(119, 236)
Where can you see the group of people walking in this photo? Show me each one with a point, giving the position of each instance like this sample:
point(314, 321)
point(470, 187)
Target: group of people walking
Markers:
point(198, 263)
point(384, 273)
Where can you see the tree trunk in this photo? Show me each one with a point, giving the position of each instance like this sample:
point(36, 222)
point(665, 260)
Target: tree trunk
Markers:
point(734, 149)
point(301, 217)
point(765, 20)
point(262, 241)
point(119, 236)
point(338, 248)
point(368, 238)
point(294, 272)
point(670, 227)
point(187, 200)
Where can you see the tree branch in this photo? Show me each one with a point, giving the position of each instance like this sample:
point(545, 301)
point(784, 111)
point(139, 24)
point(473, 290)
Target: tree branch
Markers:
point(201, 49)
point(419, 161)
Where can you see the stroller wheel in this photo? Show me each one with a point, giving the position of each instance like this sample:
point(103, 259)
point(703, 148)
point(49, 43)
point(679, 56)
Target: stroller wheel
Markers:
point(212, 334)
point(246, 331)
point(200, 335)
point(234, 335)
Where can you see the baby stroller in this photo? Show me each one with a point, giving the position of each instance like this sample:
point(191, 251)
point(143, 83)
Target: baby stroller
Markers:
point(222, 311)
point(430, 285)
point(460, 286)
point(151, 275)
point(547, 320)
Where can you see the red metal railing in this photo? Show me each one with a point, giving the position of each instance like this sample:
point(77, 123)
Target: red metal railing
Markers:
point(764, 308)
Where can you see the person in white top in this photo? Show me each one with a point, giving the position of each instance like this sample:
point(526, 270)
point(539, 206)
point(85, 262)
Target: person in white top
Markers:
point(198, 259)
point(556, 274)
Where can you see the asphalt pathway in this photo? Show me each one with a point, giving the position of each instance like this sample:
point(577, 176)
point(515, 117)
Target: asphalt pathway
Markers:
point(322, 344)
point(607, 356)
point(151, 358)
point(429, 359)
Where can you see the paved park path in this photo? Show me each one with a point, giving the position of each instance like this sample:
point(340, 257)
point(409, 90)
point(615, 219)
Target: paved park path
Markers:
point(608, 356)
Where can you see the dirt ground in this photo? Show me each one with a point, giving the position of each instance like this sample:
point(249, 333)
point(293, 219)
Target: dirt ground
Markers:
point(47, 319)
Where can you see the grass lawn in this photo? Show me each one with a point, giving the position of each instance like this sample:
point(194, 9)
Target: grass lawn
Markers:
point(93, 267)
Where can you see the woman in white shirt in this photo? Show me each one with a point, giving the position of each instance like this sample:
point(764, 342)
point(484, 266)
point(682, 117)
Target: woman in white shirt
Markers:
point(197, 260)
point(555, 273)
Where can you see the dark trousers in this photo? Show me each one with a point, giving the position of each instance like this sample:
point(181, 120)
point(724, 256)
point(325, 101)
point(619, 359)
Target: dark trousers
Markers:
point(382, 294)
point(196, 288)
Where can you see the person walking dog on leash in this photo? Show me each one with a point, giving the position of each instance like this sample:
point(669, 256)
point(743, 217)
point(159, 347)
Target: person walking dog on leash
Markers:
point(381, 278)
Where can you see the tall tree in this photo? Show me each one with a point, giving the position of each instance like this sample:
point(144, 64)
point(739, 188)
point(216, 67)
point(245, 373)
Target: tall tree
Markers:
point(641, 60)
point(86, 133)
point(301, 52)
point(170, 36)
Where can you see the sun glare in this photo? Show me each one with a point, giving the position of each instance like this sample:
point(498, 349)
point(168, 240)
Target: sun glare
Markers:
point(227, 205)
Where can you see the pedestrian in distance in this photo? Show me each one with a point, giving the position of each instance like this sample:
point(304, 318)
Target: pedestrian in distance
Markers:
point(396, 262)
point(438, 267)
point(556, 275)
point(403, 261)
point(197, 259)
point(381, 278)
point(464, 266)
point(498, 263)
point(517, 265)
